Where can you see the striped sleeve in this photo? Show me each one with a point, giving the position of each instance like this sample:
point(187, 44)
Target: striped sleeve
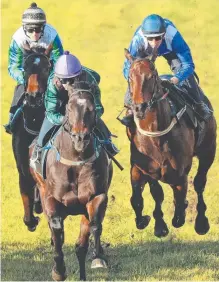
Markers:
point(15, 68)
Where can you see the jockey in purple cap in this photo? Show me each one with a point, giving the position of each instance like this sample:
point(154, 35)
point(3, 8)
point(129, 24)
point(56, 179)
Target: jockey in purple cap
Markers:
point(159, 33)
point(37, 33)
point(68, 70)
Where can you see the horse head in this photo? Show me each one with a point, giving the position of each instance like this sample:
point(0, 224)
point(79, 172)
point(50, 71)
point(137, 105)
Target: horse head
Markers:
point(36, 67)
point(36, 72)
point(144, 84)
point(80, 118)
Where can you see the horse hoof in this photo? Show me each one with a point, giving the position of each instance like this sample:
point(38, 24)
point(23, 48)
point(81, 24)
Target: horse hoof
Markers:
point(201, 225)
point(98, 263)
point(38, 208)
point(31, 225)
point(161, 229)
point(57, 276)
point(178, 222)
point(143, 222)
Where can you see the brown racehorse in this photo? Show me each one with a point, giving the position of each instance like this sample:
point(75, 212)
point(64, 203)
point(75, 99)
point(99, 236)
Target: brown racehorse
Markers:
point(78, 173)
point(163, 148)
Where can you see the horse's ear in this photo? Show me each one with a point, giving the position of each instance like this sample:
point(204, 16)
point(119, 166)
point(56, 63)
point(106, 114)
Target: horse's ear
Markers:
point(26, 46)
point(128, 56)
point(48, 50)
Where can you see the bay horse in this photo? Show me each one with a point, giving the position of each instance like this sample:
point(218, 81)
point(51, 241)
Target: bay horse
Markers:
point(162, 148)
point(30, 117)
point(78, 176)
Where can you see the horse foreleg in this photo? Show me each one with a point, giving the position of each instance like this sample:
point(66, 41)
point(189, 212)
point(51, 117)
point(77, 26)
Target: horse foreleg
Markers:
point(160, 229)
point(96, 210)
point(137, 202)
point(27, 193)
point(180, 192)
point(56, 224)
point(81, 246)
point(205, 161)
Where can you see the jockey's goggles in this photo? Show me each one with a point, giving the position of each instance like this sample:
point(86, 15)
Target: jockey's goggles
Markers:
point(37, 29)
point(156, 38)
point(69, 80)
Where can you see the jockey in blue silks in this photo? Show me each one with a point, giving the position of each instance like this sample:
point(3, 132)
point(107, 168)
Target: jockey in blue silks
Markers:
point(162, 34)
point(37, 33)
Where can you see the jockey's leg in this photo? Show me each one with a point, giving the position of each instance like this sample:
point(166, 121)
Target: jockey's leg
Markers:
point(201, 108)
point(104, 133)
point(36, 154)
point(18, 92)
point(129, 118)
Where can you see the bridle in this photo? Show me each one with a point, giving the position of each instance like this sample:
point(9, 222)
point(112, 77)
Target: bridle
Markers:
point(155, 89)
point(66, 124)
point(39, 96)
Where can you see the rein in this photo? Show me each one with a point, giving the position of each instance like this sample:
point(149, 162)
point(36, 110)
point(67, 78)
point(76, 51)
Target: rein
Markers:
point(149, 105)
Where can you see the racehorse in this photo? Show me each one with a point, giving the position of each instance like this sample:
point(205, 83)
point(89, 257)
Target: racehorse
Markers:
point(78, 176)
point(162, 148)
point(30, 116)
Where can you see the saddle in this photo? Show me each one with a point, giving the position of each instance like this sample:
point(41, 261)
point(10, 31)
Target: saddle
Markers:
point(178, 97)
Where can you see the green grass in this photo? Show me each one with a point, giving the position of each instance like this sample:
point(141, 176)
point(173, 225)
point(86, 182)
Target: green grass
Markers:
point(97, 31)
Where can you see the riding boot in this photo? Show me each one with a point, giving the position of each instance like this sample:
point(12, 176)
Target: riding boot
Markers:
point(111, 148)
point(203, 110)
point(7, 126)
point(36, 154)
point(128, 120)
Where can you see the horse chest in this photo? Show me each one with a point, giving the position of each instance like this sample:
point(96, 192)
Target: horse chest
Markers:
point(153, 159)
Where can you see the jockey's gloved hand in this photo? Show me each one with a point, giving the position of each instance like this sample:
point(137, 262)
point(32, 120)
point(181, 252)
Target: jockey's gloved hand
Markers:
point(167, 84)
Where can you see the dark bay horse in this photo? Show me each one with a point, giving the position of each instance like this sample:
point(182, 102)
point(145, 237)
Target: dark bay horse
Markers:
point(36, 68)
point(78, 176)
point(162, 148)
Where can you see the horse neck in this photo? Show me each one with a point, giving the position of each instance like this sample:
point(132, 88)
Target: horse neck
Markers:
point(67, 150)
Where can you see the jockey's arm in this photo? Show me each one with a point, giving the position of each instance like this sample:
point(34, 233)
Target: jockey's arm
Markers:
point(15, 61)
point(52, 104)
point(184, 54)
point(99, 106)
point(94, 78)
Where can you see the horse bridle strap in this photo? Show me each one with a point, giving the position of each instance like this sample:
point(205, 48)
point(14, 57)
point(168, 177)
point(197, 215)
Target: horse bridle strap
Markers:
point(163, 132)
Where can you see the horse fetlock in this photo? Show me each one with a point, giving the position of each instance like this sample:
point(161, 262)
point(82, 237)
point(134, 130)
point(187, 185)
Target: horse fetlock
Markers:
point(201, 225)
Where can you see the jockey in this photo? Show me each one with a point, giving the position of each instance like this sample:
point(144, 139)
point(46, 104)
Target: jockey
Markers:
point(68, 70)
point(162, 34)
point(36, 32)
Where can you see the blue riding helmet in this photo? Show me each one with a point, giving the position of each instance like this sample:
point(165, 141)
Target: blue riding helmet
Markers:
point(153, 26)
point(67, 66)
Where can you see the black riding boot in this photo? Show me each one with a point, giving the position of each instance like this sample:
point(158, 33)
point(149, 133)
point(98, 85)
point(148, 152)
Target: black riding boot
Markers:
point(203, 110)
point(111, 148)
point(36, 155)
